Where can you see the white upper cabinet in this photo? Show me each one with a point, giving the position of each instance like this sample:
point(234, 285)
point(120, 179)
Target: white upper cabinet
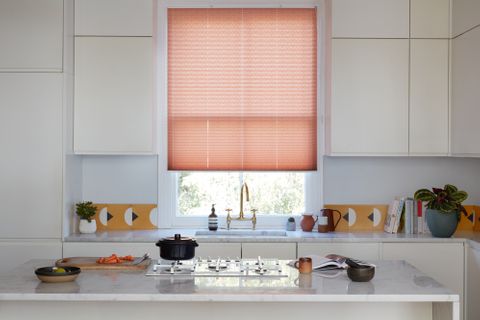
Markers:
point(114, 112)
point(430, 18)
point(369, 108)
point(370, 18)
point(465, 15)
point(31, 33)
point(114, 17)
point(429, 96)
point(466, 94)
point(31, 156)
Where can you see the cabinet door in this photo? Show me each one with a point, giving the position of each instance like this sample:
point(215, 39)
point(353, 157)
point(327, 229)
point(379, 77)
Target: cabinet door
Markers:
point(442, 261)
point(465, 94)
point(429, 97)
point(31, 156)
point(369, 110)
point(287, 251)
point(102, 249)
point(465, 15)
point(370, 18)
point(31, 33)
point(113, 17)
point(430, 18)
point(19, 252)
point(113, 95)
point(472, 290)
point(363, 251)
point(215, 250)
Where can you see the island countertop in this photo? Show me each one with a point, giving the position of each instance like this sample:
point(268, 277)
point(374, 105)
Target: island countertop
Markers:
point(395, 281)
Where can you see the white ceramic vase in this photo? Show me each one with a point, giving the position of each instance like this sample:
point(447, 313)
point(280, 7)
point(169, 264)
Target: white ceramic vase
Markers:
point(87, 227)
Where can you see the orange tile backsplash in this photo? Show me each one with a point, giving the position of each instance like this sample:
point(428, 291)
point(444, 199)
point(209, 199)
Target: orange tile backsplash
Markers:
point(354, 217)
point(361, 217)
point(126, 216)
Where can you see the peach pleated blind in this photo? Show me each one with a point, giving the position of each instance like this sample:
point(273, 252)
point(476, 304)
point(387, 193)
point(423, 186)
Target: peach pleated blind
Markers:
point(242, 89)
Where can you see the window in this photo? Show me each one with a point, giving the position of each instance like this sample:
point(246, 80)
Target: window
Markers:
point(238, 102)
point(271, 193)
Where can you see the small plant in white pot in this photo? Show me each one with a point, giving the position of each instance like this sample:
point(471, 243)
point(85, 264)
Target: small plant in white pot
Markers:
point(86, 210)
point(443, 209)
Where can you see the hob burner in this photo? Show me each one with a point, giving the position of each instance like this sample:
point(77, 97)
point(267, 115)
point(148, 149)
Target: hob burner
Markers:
point(219, 268)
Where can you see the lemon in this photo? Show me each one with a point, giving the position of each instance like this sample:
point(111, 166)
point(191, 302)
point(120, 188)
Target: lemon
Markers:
point(59, 270)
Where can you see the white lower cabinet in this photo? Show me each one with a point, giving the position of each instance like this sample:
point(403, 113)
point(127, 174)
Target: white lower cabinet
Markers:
point(19, 252)
point(213, 250)
point(363, 251)
point(286, 251)
point(100, 249)
point(442, 261)
point(472, 285)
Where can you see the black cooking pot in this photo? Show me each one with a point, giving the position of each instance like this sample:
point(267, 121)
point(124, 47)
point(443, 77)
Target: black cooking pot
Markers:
point(177, 248)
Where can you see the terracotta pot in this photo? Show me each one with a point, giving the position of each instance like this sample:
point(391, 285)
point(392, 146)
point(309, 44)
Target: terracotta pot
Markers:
point(307, 223)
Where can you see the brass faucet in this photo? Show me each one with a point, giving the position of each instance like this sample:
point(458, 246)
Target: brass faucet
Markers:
point(241, 216)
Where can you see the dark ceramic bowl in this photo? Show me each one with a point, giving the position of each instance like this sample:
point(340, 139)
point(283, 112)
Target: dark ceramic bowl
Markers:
point(361, 274)
point(48, 274)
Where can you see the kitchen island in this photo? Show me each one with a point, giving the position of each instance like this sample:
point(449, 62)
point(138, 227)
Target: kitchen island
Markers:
point(398, 291)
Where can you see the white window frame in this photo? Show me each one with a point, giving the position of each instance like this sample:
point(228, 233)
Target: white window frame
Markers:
point(167, 183)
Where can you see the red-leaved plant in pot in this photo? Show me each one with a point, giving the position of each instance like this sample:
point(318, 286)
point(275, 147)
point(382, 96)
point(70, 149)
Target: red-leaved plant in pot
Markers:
point(443, 209)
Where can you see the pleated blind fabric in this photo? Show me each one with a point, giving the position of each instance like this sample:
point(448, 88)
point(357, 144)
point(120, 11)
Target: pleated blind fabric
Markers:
point(242, 89)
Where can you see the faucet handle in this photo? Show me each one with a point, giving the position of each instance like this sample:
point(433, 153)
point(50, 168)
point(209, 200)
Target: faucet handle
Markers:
point(229, 219)
point(254, 218)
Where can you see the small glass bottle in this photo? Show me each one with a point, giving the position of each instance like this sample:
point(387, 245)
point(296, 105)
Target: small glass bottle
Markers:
point(213, 220)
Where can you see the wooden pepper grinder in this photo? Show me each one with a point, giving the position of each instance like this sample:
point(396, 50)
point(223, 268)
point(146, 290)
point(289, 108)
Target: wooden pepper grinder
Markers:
point(213, 220)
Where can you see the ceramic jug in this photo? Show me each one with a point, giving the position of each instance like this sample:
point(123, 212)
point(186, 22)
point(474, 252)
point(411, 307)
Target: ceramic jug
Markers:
point(308, 221)
point(329, 214)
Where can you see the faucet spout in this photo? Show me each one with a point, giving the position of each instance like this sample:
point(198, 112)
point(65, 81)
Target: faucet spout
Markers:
point(244, 189)
point(241, 216)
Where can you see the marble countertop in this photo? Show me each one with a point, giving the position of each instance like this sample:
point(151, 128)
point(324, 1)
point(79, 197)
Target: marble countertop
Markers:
point(291, 236)
point(395, 281)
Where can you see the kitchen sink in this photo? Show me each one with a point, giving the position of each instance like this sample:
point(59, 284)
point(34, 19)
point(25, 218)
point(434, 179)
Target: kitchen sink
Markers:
point(243, 233)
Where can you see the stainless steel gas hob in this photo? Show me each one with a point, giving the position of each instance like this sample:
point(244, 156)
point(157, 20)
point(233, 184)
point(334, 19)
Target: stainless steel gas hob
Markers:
point(198, 267)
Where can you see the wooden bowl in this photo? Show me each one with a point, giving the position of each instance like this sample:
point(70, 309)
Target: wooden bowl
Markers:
point(48, 274)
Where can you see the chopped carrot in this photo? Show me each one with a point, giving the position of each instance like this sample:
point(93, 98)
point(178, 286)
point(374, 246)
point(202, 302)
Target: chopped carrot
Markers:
point(112, 259)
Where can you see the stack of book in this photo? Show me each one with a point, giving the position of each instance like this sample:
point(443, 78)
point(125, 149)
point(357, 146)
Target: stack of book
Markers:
point(406, 214)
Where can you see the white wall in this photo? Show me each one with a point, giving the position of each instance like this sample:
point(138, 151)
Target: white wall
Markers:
point(120, 179)
point(357, 180)
point(378, 180)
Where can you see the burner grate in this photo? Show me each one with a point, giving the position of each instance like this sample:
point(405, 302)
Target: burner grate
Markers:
point(219, 268)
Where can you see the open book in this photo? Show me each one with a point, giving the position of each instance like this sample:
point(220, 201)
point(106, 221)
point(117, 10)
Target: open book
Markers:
point(329, 262)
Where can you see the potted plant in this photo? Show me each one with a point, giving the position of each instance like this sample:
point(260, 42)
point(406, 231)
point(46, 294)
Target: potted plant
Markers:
point(86, 210)
point(443, 209)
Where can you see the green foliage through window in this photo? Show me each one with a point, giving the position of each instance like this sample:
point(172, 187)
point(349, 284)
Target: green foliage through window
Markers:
point(270, 192)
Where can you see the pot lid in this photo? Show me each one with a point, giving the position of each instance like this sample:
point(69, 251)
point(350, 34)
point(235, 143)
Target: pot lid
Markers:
point(177, 238)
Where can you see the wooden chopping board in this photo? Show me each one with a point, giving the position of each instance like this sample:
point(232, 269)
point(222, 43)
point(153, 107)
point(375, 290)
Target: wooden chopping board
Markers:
point(90, 263)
